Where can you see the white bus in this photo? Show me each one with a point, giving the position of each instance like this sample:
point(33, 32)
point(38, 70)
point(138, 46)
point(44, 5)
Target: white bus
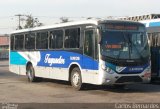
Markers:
point(108, 52)
point(153, 30)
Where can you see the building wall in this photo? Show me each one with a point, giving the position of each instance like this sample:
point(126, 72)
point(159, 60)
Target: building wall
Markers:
point(4, 47)
point(4, 40)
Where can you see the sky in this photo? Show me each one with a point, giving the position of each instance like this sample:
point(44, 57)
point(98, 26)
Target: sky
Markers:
point(49, 11)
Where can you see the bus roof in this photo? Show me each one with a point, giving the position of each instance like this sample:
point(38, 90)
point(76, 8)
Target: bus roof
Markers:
point(95, 22)
point(119, 21)
point(57, 26)
point(151, 22)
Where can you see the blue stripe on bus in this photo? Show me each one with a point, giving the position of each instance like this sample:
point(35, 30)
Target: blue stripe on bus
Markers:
point(153, 24)
point(61, 59)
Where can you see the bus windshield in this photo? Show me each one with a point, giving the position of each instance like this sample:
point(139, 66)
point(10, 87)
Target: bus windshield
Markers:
point(124, 45)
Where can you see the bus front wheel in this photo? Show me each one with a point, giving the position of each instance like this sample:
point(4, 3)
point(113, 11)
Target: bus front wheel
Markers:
point(76, 79)
point(119, 86)
point(31, 74)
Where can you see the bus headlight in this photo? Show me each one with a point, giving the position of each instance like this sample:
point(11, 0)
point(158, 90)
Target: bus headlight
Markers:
point(107, 69)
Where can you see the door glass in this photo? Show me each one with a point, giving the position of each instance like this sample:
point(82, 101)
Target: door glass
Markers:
point(88, 43)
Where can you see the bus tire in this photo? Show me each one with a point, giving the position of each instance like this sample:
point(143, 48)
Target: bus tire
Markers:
point(119, 86)
point(76, 79)
point(31, 74)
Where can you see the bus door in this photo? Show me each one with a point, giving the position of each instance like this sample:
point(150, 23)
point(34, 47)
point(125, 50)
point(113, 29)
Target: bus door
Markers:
point(155, 61)
point(89, 49)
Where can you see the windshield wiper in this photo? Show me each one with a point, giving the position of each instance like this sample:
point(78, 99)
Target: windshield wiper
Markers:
point(131, 43)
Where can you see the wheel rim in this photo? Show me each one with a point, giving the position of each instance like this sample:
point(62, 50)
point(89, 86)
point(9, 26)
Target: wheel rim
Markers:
point(76, 79)
point(29, 74)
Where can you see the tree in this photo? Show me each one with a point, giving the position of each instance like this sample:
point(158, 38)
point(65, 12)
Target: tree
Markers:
point(32, 22)
point(64, 19)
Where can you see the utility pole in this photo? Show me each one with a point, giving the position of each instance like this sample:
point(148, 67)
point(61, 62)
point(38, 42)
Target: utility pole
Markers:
point(19, 20)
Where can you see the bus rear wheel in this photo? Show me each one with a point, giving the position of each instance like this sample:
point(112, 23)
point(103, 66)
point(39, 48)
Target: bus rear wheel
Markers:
point(31, 74)
point(76, 79)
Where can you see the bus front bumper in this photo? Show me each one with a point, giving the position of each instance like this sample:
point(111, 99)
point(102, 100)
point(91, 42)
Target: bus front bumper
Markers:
point(111, 79)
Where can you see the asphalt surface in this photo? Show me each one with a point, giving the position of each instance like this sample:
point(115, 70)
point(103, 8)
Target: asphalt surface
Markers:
point(16, 89)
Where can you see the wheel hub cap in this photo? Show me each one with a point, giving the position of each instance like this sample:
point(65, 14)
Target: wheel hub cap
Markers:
point(76, 79)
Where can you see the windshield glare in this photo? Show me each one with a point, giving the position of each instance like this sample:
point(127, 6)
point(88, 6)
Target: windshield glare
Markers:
point(124, 45)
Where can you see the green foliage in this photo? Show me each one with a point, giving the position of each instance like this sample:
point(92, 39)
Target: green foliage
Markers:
point(31, 22)
point(64, 19)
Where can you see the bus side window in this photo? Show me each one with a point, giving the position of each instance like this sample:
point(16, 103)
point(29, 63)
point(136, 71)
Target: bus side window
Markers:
point(12, 42)
point(153, 40)
point(88, 43)
point(150, 38)
point(19, 40)
point(42, 40)
point(72, 38)
point(56, 39)
point(96, 46)
point(158, 39)
point(30, 41)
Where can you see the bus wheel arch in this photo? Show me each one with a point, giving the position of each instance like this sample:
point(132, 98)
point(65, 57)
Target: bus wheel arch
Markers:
point(27, 65)
point(75, 77)
point(70, 70)
point(30, 72)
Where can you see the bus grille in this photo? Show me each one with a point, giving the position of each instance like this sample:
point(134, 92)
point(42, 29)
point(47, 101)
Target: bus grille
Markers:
point(129, 72)
point(124, 79)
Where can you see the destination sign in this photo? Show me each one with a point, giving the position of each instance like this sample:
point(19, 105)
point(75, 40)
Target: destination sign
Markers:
point(113, 46)
point(121, 27)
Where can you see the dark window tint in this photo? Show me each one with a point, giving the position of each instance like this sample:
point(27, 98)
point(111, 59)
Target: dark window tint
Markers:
point(42, 40)
point(56, 39)
point(154, 39)
point(72, 38)
point(88, 43)
point(96, 46)
point(12, 42)
point(19, 40)
point(30, 41)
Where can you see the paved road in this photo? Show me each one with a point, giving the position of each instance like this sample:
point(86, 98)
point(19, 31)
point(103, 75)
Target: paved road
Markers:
point(16, 89)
